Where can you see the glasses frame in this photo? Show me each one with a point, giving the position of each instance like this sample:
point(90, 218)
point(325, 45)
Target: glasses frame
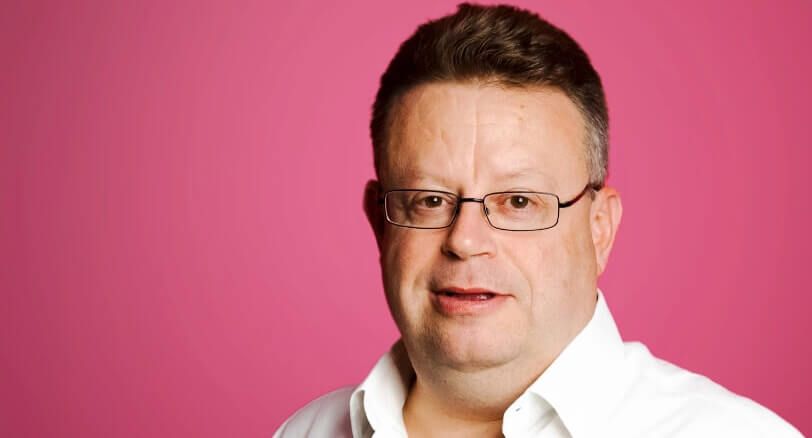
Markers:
point(460, 200)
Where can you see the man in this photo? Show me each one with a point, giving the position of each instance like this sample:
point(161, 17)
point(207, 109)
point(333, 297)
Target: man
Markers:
point(493, 222)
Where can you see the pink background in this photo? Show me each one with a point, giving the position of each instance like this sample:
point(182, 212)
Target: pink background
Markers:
point(182, 248)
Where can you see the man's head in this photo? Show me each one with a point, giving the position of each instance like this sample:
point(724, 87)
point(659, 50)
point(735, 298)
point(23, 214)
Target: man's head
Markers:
point(504, 45)
point(491, 99)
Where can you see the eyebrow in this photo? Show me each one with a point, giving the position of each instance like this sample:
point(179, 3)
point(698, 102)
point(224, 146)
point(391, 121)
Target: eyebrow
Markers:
point(413, 176)
point(524, 172)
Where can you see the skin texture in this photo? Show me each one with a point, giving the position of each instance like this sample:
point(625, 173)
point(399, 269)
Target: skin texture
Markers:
point(471, 139)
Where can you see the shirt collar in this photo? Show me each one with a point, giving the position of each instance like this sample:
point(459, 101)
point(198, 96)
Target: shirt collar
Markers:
point(377, 403)
point(582, 383)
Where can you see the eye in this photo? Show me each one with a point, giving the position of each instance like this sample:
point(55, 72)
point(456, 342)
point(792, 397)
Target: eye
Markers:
point(431, 201)
point(518, 201)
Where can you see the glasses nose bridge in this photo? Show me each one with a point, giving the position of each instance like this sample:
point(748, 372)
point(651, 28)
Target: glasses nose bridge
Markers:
point(479, 200)
point(475, 200)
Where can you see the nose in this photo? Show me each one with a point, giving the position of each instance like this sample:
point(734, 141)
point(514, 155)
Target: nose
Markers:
point(470, 235)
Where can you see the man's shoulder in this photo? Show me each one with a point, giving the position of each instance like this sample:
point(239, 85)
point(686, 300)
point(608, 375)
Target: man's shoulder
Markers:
point(679, 402)
point(328, 415)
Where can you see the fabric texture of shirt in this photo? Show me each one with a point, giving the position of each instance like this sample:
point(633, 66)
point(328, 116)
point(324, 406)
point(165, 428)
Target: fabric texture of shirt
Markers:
point(598, 386)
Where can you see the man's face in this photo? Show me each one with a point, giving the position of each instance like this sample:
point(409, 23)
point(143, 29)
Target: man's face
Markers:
point(474, 139)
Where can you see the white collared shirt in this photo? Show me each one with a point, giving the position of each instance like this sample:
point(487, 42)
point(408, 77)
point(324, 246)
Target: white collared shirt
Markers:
point(598, 386)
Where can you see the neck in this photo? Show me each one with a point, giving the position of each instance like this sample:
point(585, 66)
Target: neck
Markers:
point(448, 402)
point(445, 401)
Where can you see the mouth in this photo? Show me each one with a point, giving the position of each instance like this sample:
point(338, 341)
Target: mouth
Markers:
point(468, 296)
point(457, 301)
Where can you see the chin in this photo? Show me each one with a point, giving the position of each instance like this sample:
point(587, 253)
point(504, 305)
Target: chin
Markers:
point(467, 348)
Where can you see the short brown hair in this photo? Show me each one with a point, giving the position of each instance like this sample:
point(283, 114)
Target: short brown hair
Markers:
point(504, 44)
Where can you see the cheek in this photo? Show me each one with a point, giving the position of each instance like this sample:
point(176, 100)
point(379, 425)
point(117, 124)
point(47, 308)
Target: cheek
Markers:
point(556, 266)
point(575, 261)
point(404, 260)
point(545, 268)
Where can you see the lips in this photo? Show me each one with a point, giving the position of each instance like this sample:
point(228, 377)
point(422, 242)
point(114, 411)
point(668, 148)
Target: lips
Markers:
point(459, 301)
point(472, 297)
point(462, 291)
point(472, 294)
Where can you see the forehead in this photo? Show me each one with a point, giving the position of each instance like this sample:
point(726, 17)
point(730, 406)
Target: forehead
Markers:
point(456, 134)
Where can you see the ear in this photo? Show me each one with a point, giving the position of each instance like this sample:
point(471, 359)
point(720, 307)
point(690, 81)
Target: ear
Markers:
point(374, 209)
point(604, 219)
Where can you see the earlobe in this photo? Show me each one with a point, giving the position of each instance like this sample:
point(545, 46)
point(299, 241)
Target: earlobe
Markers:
point(606, 213)
point(374, 209)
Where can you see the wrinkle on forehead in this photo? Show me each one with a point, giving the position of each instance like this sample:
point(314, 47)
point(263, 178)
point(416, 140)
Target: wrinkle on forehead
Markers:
point(418, 120)
point(455, 131)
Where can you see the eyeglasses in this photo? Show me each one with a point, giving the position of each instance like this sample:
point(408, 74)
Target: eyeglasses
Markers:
point(510, 211)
